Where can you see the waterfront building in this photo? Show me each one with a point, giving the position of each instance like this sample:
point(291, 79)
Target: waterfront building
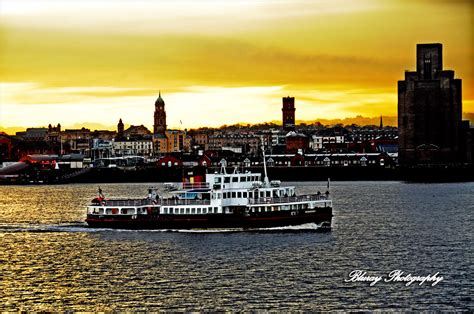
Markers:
point(101, 148)
point(33, 134)
point(54, 134)
point(5, 147)
point(103, 134)
point(24, 148)
point(467, 137)
point(160, 144)
point(183, 160)
point(200, 140)
point(351, 160)
point(249, 144)
point(429, 110)
point(322, 138)
point(133, 147)
point(76, 141)
point(176, 141)
point(34, 141)
point(74, 134)
point(136, 131)
point(277, 137)
point(70, 161)
point(296, 141)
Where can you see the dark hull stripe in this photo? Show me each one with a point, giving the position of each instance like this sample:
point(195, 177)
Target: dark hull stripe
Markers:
point(263, 220)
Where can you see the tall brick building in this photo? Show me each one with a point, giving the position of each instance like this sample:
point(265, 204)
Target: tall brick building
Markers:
point(429, 111)
point(288, 111)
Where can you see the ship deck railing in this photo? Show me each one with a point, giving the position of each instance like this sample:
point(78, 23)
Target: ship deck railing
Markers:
point(147, 201)
point(195, 185)
point(288, 199)
point(128, 202)
point(171, 202)
point(177, 186)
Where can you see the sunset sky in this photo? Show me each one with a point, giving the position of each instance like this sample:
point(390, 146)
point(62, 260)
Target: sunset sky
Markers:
point(218, 62)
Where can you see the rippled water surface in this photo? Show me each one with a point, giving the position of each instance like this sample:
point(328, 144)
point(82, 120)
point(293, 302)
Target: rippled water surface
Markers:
point(49, 260)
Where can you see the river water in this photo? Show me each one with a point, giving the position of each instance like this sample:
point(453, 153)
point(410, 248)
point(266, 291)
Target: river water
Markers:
point(49, 260)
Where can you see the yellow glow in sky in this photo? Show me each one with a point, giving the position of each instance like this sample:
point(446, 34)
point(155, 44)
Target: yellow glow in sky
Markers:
point(218, 62)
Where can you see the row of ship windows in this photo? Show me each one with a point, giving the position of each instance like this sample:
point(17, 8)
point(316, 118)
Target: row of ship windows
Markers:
point(198, 210)
point(262, 209)
point(283, 193)
point(192, 210)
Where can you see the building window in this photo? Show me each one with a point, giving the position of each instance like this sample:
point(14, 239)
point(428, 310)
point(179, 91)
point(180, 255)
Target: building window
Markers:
point(239, 194)
point(233, 195)
point(235, 179)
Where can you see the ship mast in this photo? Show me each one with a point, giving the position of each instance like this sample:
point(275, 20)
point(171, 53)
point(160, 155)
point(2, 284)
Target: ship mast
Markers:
point(266, 181)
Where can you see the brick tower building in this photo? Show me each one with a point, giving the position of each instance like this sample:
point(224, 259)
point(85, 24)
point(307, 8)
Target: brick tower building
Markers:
point(288, 111)
point(429, 111)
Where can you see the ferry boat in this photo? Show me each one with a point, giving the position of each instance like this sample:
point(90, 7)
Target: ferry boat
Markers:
point(221, 201)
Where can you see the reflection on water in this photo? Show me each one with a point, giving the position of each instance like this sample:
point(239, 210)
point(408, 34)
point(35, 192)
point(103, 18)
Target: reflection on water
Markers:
point(49, 260)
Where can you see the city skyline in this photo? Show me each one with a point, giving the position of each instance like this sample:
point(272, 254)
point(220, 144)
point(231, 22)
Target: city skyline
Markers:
point(95, 62)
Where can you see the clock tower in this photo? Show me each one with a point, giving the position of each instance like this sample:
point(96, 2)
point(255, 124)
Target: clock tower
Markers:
point(159, 125)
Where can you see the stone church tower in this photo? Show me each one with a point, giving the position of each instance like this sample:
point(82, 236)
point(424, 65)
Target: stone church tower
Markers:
point(120, 129)
point(159, 125)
